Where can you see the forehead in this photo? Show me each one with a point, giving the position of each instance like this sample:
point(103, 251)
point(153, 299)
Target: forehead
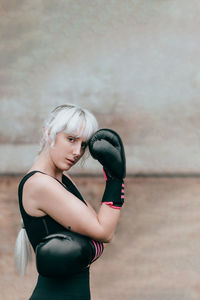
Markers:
point(78, 134)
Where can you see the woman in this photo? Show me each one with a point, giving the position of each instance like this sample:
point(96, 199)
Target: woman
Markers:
point(50, 202)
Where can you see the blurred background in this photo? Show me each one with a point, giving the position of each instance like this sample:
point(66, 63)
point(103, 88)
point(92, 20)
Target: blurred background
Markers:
point(135, 65)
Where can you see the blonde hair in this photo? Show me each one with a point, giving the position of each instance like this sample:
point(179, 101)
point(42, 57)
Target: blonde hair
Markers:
point(69, 118)
point(22, 253)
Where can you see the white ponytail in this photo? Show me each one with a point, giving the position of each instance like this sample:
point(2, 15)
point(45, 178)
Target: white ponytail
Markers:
point(22, 254)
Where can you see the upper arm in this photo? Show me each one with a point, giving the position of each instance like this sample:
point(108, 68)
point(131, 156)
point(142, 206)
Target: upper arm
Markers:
point(53, 199)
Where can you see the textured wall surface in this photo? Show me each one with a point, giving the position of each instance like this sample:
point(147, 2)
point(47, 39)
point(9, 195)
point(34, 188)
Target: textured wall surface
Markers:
point(135, 64)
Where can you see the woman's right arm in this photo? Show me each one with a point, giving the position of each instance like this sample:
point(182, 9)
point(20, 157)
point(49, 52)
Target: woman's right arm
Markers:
point(48, 196)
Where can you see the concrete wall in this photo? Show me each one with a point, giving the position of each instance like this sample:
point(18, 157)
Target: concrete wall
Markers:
point(135, 64)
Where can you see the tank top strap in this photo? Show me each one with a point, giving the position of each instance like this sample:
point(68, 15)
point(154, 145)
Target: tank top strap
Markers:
point(26, 177)
point(20, 188)
point(72, 188)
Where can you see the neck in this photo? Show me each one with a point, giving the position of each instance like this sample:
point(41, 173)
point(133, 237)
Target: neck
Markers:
point(44, 164)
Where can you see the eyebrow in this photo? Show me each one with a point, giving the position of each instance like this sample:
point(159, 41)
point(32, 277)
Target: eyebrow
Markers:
point(72, 134)
point(76, 137)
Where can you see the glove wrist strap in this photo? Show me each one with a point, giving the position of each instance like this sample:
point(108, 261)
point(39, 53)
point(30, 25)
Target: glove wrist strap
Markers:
point(114, 193)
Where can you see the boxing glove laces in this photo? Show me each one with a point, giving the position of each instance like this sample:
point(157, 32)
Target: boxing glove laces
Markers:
point(106, 146)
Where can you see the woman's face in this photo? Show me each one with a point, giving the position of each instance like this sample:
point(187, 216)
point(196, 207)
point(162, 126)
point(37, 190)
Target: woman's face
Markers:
point(67, 150)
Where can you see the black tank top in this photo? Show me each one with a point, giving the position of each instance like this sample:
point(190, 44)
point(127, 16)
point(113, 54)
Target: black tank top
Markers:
point(38, 227)
point(75, 287)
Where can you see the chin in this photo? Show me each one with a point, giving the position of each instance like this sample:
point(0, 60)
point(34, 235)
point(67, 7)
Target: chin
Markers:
point(64, 168)
point(67, 168)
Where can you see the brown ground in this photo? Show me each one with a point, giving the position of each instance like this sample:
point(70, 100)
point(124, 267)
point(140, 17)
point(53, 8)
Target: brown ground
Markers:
point(154, 256)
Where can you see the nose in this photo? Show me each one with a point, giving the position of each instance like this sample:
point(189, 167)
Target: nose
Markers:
point(77, 150)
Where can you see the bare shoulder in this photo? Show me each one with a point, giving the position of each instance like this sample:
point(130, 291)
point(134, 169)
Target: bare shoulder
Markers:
point(39, 182)
point(36, 189)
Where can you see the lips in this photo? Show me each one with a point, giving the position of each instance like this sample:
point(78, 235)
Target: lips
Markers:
point(70, 161)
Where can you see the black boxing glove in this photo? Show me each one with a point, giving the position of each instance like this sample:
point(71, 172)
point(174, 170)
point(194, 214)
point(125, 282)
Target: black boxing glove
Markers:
point(106, 146)
point(65, 253)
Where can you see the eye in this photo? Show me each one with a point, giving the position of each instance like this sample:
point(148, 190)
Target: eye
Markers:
point(71, 139)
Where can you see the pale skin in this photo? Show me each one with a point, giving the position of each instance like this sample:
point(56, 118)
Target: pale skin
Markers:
point(42, 194)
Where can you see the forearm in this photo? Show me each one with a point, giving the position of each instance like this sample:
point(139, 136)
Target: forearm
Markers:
point(108, 219)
